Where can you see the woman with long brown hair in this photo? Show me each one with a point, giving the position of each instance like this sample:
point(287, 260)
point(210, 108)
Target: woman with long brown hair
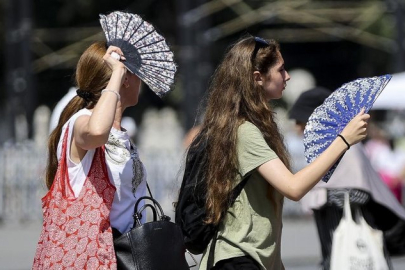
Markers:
point(94, 173)
point(243, 140)
point(89, 174)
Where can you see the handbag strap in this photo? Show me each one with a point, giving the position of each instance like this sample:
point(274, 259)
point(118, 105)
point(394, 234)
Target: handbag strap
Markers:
point(150, 193)
point(210, 260)
point(137, 213)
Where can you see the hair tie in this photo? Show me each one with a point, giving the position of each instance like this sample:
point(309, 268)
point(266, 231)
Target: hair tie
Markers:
point(87, 96)
point(344, 140)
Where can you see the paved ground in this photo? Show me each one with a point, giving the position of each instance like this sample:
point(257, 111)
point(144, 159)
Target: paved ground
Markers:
point(300, 247)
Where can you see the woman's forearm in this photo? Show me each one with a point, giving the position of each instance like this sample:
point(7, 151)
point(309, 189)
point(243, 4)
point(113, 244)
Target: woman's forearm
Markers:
point(295, 186)
point(103, 115)
point(309, 176)
point(94, 131)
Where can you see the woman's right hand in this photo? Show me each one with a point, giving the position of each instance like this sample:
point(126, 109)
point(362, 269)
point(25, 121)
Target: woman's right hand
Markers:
point(113, 62)
point(356, 129)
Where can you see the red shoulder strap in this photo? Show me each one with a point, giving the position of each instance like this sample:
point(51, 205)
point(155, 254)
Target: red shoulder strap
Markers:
point(62, 175)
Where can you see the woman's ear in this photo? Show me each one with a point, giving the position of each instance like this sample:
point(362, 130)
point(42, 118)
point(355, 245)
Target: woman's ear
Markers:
point(126, 82)
point(257, 77)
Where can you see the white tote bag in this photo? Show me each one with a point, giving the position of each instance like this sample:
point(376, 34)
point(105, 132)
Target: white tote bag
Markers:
point(356, 246)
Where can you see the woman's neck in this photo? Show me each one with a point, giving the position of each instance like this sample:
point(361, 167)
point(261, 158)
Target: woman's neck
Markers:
point(118, 116)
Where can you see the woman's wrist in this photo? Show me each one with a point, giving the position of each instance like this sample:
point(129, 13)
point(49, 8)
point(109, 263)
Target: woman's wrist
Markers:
point(344, 140)
point(116, 80)
point(119, 73)
point(112, 91)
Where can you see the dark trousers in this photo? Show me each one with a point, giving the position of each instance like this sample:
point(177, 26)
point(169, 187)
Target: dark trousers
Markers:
point(328, 217)
point(237, 263)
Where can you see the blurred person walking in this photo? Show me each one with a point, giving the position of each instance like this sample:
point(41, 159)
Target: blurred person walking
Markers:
point(243, 140)
point(94, 173)
point(355, 175)
point(388, 161)
point(90, 146)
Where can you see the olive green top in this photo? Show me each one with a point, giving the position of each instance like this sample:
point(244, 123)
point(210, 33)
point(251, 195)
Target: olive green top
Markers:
point(252, 226)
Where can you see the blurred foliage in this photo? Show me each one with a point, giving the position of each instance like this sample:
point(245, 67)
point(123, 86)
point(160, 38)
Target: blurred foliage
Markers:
point(330, 57)
point(53, 83)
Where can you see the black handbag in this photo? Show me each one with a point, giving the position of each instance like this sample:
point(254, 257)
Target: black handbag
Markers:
point(154, 245)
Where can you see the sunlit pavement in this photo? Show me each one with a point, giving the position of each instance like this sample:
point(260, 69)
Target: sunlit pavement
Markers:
point(300, 246)
point(301, 249)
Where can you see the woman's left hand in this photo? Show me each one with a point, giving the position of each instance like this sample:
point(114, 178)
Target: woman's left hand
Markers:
point(356, 129)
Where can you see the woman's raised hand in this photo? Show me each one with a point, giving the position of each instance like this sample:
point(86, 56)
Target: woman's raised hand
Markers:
point(114, 57)
point(356, 129)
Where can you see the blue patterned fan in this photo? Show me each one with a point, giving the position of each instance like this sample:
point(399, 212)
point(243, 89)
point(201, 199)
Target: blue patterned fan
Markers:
point(146, 52)
point(329, 119)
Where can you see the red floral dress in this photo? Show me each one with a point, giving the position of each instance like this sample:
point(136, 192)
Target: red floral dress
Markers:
point(76, 232)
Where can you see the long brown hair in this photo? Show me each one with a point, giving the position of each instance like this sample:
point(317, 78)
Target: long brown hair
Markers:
point(233, 98)
point(92, 75)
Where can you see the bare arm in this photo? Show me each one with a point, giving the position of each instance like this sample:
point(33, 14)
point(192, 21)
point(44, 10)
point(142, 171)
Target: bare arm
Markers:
point(92, 131)
point(295, 186)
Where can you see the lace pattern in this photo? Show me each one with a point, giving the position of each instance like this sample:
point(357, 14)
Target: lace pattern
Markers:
point(146, 51)
point(118, 153)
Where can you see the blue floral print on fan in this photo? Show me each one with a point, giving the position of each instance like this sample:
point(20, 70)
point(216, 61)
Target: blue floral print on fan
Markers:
point(330, 118)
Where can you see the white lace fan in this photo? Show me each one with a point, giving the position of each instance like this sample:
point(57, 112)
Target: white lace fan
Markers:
point(146, 52)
